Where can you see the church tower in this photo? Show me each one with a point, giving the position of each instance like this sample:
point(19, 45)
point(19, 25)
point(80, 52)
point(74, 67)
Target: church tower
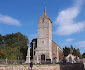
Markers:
point(44, 39)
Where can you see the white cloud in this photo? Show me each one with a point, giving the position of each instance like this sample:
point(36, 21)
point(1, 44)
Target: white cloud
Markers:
point(80, 44)
point(69, 40)
point(9, 20)
point(65, 20)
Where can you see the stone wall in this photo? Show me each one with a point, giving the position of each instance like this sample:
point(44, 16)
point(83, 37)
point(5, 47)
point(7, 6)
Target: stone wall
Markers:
point(56, 52)
point(26, 67)
point(44, 67)
point(75, 66)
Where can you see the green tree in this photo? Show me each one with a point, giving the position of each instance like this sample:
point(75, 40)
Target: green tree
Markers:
point(31, 46)
point(77, 52)
point(83, 55)
point(2, 55)
point(71, 47)
point(14, 45)
point(66, 51)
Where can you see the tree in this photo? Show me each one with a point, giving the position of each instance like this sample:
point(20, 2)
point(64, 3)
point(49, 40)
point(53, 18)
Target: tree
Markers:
point(2, 55)
point(66, 51)
point(14, 45)
point(83, 55)
point(77, 52)
point(71, 47)
point(31, 46)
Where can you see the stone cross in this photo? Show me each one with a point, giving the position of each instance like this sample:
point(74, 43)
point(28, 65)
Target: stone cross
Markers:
point(28, 56)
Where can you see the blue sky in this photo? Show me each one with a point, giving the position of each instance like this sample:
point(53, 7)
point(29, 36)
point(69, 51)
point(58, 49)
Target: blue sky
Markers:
point(67, 16)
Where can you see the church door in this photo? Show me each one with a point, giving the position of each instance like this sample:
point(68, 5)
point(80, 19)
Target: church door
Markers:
point(42, 58)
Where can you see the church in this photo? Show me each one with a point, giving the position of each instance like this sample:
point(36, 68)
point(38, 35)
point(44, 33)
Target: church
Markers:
point(46, 49)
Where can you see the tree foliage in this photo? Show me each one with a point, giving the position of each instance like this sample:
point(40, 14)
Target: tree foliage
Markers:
point(31, 46)
point(83, 55)
point(67, 50)
point(13, 46)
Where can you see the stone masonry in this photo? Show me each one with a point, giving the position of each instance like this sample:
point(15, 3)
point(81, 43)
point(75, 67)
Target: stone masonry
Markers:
point(44, 39)
point(44, 67)
point(46, 50)
point(27, 67)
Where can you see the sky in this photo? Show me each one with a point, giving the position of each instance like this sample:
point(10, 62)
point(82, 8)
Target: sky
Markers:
point(67, 16)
